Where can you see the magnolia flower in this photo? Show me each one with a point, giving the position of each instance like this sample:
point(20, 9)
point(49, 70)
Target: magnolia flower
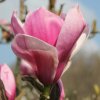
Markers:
point(6, 24)
point(7, 77)
point(6, 30)
point(48, 42)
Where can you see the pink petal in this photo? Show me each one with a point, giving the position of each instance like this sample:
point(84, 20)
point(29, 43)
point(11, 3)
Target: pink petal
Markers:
point(26, 68)
point(7, 77)
point(70, 33)
point(16, 24)
point(43, 25)
point(42, 56)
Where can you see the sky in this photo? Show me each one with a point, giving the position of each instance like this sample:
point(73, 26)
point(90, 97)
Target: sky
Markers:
point(90, 9)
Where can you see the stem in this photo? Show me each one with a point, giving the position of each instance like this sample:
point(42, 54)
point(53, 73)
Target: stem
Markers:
point(17, 66)
point(46, 93)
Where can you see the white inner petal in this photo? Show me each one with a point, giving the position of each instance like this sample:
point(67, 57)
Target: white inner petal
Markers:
point(79, 43)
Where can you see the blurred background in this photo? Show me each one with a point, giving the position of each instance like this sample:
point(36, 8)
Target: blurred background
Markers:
point(82, 79)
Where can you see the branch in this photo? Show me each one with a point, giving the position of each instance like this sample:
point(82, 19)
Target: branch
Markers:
point(52, 5)
point(2, 1)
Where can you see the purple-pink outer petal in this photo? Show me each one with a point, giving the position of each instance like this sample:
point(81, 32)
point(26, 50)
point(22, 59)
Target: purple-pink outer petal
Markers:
point(61, 87)
point(8, 80)
point(16, 24)
point(42, 56)
point(72, 29)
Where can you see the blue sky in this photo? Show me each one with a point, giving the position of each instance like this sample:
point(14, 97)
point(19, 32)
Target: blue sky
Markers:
point(94, 5)
point(89, 7)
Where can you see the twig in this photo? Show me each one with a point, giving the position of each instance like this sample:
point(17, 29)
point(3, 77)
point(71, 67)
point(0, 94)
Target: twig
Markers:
point(52, 5)
point(61, 8)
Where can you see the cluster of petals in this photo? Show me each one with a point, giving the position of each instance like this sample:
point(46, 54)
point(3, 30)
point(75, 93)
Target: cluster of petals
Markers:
point(48, 42)
point(7, 77)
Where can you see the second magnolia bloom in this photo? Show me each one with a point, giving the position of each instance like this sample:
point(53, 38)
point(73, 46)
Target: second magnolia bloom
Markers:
point(48, 42)
point(7, 77)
